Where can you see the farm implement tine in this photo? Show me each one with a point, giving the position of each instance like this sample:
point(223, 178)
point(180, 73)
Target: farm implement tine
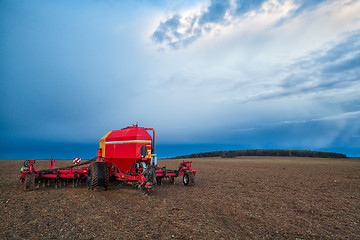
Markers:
point(75, 180)
point(38, 180)
point(32, 178)
point(158, 180)
point(57, 180)
point(172, 180)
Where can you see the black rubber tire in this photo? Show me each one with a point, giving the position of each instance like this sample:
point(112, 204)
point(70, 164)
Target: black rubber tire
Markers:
point(188, 179)
point(98, 176)
point(29, 182)
point(107, 176)
point(89, 175)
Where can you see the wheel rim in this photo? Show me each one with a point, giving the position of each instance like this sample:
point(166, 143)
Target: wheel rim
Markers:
point(186, 179)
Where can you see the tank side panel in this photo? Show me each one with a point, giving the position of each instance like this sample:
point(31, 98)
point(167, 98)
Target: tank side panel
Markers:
point(102, 143)
point(123, 164)
point(123, 150)
point(122, 147)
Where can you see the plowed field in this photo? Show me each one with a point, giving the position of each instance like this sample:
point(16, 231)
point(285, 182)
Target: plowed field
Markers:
point(241, 198)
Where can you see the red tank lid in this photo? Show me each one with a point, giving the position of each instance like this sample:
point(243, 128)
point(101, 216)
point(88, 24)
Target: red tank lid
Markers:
point(130, 133)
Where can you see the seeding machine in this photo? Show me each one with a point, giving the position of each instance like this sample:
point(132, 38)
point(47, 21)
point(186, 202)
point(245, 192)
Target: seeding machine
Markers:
point(126, 155)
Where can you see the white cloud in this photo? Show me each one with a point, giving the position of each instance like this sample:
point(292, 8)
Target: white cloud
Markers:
point(234, 75)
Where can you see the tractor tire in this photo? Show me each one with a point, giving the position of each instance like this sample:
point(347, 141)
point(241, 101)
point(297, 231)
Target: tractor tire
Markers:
point(107, 176)
point(29, 182)
point(98, 176)
point(88, 179)
point(188, 179)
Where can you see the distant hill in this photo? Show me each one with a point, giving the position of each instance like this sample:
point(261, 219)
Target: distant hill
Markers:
point(264, 152)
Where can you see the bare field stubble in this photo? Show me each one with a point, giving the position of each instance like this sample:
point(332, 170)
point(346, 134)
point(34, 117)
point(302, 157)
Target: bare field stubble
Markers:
point(247, 197)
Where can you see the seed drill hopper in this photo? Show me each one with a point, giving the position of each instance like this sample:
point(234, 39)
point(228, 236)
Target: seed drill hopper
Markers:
point(126, 155)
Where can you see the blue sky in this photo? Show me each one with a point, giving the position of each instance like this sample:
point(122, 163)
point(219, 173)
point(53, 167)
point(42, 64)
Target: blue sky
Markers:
point(207, 75)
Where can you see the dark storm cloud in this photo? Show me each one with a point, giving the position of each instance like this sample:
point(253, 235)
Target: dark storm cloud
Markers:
point(60, 65)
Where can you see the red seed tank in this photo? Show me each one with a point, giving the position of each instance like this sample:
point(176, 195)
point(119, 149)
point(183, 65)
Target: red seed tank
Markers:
point(123, 147)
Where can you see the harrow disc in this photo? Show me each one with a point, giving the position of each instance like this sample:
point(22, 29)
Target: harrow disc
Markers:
point(151, 175)
point(158, 180)
point(172, 180)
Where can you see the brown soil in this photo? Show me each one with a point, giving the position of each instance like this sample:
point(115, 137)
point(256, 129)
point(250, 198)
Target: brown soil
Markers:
point(242, 198)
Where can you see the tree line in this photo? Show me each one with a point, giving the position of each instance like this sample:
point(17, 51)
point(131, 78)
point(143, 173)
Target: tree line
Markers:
point(264, 152)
